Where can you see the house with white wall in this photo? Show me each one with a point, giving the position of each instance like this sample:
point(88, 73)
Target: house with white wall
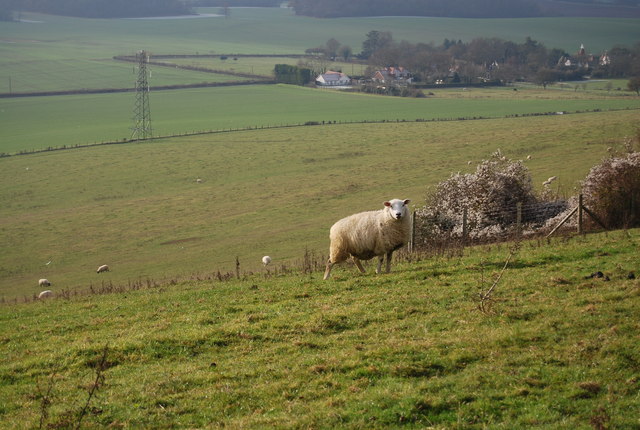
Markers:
point(333, 79)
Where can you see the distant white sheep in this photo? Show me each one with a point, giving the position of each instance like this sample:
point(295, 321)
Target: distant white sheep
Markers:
point(44, 283)
point(549, 181)
point(365, 235)
point(44, 294)
point(103, 268)
point(266, 260)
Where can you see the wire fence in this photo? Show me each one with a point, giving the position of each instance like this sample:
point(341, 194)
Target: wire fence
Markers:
point(509, 222)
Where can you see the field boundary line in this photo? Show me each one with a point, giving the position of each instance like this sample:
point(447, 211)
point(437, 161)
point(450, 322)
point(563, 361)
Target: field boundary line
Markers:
point(306, 124)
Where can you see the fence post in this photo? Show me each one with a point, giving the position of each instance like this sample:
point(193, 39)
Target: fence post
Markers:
point(413, 232)
point(580, 213)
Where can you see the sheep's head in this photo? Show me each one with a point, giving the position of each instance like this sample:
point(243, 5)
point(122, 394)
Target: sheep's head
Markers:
point(397, 209)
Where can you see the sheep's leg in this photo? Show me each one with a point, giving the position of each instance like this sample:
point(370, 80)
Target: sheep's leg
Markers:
point(388, 261)
point(379, 268)
point(327, 271)
point(358, 264)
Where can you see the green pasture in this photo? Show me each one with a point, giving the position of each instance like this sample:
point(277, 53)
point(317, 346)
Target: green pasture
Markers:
point(138, 207)
point(555, 348)
point(262, 65)
point(279, 31)
point(51, 52)
point(71, 74)
point(40, 122)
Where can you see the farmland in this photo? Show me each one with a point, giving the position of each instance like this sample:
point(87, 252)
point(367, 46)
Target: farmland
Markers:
point(137, 206)
point(283, 33)
point(187, 345)
point(48, 52)
point(264, 191)
point(96, 118)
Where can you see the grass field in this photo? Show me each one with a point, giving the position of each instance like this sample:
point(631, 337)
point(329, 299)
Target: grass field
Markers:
point(68, 74)
point(59, 53)
point(138, 207)
point(262, 65)
point(556, 349)
point(41, 122)
point(278, 31)
point(81, 49)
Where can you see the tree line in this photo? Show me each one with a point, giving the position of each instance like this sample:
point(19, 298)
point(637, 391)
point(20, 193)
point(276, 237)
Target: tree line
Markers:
point(236, 3)
point(287, 74)
point(95, 8)
point(488, 59)
point(439, 8)
point(451, 8)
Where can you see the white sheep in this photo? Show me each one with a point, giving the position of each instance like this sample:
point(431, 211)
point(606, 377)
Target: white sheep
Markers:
point(103, 268)
point(549, 181)
point(266, 260)
point(44, 294)
point(44, 283)
point(365, 235)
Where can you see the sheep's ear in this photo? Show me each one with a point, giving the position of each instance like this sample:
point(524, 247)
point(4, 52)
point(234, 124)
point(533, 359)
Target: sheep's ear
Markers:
point(406, 202)
point(387, 204)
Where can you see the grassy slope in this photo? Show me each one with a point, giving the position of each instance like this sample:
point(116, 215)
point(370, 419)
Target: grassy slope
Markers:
point(138, 208)
point(409, 349)
point(41, 122)
point(278, 31)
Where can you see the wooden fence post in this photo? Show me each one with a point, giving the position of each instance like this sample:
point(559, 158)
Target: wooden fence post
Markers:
point(412, 238)
point(580, 207)
point(563, 221)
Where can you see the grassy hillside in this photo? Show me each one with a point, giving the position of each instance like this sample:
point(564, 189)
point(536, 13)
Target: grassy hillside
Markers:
point(138, 208)
point(555, 349)
point(278, 31)
point(41, 122)
point(45, 53)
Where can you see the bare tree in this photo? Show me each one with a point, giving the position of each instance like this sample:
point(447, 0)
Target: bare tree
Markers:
point(331, 49)
point(634, 84)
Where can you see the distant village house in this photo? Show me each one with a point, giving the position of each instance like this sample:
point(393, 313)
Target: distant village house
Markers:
point(583, 60)
point(333, 79)
point(390, 75)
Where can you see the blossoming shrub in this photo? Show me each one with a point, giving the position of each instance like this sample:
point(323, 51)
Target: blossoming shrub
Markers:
point(490, 196)
point(612, 190)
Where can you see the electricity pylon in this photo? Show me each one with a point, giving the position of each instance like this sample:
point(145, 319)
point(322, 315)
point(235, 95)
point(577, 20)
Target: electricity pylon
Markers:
point(141, 111)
